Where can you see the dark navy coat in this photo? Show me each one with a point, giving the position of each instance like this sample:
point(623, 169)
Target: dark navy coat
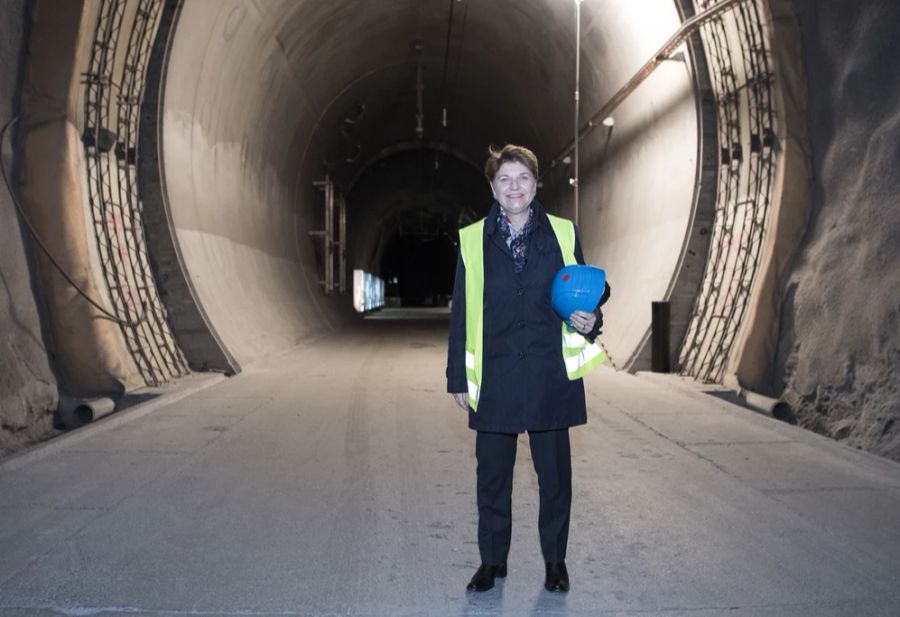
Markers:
point(524, 385)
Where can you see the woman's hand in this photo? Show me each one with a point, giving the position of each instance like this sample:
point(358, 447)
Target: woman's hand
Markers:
point(462, 399)
point(583, 322)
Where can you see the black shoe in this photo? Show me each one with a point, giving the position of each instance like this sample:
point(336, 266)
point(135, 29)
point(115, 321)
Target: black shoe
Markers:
point(484, 577)
point(557, 576)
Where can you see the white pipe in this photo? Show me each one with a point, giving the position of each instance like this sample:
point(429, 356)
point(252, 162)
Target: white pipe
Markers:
point(73, 412)
point(577, 101)
point(773, 407)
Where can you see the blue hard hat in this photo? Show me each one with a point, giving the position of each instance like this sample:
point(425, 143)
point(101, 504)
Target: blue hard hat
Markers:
point(577, 288)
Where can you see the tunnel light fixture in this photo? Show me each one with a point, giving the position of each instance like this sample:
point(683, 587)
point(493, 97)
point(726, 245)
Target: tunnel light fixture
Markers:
point(567, 160)
point(608, 121)
point(368, 291)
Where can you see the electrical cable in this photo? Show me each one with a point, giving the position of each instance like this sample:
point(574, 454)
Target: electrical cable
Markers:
point(40, 242)
point(459, 46)
point(447, 55)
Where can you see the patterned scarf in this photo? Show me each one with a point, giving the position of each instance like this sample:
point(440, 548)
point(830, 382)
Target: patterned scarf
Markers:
point(517, 241)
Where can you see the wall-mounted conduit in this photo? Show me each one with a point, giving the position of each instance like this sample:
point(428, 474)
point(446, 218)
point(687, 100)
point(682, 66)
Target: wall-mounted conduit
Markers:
point(110, 147)
point(746, 120)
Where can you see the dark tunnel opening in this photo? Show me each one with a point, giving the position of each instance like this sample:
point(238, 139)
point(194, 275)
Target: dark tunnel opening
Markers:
point(413, 202)
point(418, 265)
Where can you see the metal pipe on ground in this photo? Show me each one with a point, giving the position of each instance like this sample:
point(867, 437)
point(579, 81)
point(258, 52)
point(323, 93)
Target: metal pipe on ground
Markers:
point(73, 412)
point(773, 407)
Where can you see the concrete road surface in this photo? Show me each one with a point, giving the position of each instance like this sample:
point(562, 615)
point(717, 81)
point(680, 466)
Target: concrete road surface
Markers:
point(339, 480)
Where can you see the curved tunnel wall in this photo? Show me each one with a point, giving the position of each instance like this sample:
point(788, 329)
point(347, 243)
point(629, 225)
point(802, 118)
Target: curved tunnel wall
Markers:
point(255, 100)
point(233, 112)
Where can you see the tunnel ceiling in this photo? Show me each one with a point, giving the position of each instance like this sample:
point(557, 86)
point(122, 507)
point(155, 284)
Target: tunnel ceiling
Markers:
point(367, 54)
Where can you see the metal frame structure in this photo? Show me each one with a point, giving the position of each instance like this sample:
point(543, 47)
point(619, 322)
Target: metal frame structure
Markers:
point(110, 150)
point(330, 246)
point(746, 119)
point(342, 245)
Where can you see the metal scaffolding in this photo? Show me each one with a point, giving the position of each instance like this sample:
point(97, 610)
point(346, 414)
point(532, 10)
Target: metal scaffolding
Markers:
point(746, 121)
point(110, 147)
point(332, 248)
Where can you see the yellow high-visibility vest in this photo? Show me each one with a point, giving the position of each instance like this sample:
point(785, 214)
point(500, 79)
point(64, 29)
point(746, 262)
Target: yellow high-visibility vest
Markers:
point(579, 354)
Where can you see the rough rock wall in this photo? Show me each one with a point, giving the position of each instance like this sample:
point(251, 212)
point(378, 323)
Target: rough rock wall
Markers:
point(27, 386)
point(839, 349)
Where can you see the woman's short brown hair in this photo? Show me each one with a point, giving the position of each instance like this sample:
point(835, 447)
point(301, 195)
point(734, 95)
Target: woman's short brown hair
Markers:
point(509, 153)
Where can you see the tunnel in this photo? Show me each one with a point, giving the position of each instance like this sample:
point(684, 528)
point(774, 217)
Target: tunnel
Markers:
point(396, 104)
point(211, 174)
point(198, 416)
point(257, 115)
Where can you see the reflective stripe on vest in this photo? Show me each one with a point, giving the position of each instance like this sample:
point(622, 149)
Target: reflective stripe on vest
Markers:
point(579, 354)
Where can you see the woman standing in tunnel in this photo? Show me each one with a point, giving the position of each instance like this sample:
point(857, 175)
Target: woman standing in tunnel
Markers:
point(512, 366)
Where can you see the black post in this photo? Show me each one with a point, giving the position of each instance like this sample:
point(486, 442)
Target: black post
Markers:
point(659, 362)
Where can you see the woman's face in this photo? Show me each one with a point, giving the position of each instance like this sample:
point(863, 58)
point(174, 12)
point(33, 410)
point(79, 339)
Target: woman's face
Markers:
point(514, 187)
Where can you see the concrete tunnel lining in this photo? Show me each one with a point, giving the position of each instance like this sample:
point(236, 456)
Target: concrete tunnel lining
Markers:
point(256, 93)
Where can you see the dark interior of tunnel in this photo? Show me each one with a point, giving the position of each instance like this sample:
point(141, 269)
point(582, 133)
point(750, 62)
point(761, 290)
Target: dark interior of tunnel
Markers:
point(415, 201)
point(418, 265)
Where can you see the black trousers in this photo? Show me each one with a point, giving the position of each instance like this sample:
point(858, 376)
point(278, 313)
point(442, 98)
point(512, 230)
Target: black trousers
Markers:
point(496, 455)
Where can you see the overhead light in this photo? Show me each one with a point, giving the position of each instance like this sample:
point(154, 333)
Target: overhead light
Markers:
point(567, 160)
point(608, 121)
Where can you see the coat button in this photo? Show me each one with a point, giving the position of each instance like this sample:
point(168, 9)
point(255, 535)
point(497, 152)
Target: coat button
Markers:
point(520, 292)
point(521, 324)
point(521, 354)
